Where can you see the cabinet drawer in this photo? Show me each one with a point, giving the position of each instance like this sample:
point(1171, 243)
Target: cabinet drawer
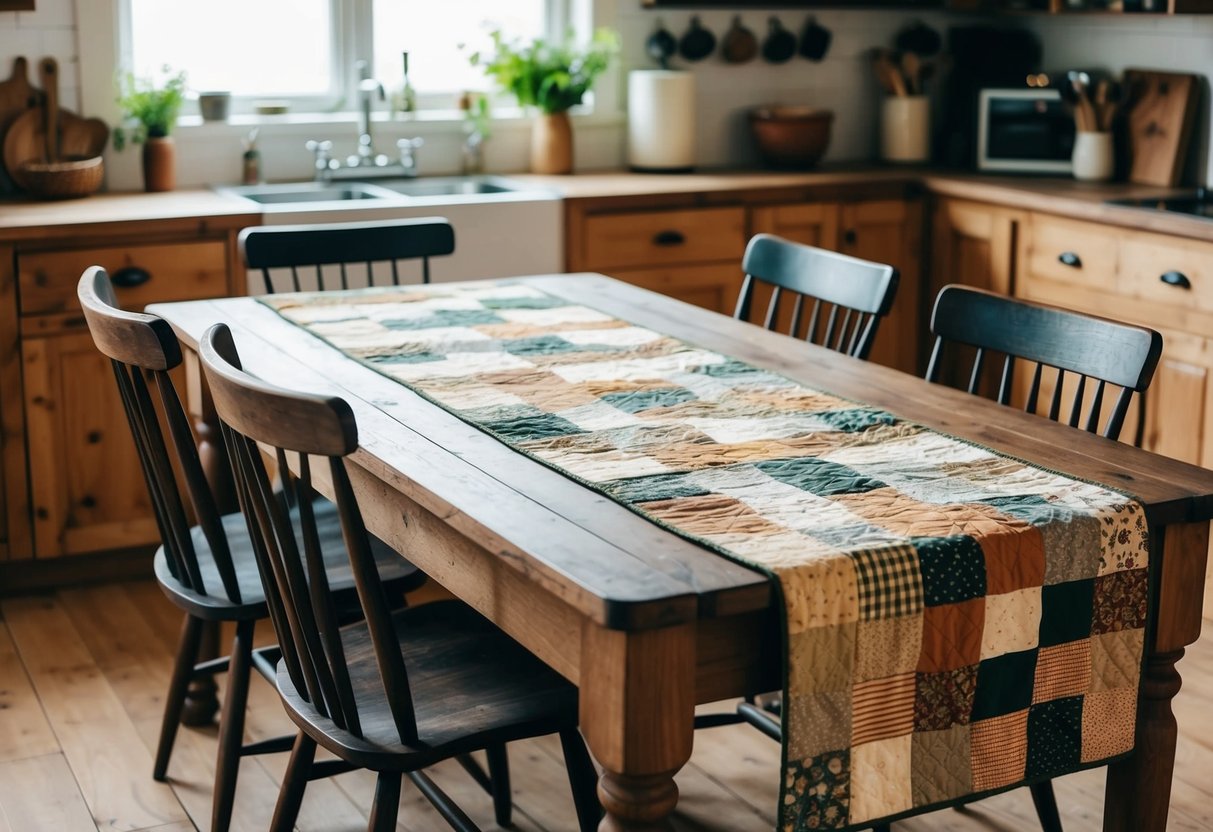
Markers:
point(1075, 253)
point(1167, 270)
point(653, 238)
point(172, 271)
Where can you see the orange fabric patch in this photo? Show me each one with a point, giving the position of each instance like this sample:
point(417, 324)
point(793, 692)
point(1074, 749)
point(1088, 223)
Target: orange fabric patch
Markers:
point(712, 514)
point(1000, 750)
point(882, 708)
point(904, 515)
point(951, 636)
point(1015, 557)
point(1063, 670)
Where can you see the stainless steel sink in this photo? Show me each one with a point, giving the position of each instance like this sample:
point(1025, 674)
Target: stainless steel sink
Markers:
point(448, 186)
point(1198, 203)
point(297, 192)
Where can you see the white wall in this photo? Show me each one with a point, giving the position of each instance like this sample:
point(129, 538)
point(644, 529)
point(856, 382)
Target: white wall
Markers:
point(1178, 44)
point(842, 82)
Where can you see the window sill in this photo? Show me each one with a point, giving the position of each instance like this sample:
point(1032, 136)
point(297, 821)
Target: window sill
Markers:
point(424, 121)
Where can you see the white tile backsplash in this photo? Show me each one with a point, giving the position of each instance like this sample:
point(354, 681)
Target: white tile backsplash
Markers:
point(842, 82)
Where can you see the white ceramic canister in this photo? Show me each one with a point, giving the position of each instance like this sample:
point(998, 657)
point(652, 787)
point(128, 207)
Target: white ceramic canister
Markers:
point(1094, 160)
point(905, 128)
point(661, 120)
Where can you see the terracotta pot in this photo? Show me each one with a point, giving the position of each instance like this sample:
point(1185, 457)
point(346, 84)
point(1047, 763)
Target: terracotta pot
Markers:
point(159, 164)
point(552, 144)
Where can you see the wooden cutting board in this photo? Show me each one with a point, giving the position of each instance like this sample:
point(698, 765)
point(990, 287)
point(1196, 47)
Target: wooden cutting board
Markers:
point(1160, 124)
point(17, 94)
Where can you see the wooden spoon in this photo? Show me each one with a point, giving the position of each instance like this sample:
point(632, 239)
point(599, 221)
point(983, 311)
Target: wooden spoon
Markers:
point(911, 67)
point(49, 72)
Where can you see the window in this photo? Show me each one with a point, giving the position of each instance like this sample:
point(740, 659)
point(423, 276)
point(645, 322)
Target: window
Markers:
point(306, 50)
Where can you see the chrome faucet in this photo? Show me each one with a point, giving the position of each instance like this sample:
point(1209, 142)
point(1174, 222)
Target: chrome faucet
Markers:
point(368, 90)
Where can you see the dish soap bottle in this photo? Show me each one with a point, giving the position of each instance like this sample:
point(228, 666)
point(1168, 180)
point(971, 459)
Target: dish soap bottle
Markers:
point(404, 99)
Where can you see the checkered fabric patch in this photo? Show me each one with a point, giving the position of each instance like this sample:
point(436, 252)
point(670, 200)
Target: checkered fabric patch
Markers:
point(957, 621)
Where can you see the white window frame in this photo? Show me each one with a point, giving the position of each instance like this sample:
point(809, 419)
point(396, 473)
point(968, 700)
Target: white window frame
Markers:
point(353, 40)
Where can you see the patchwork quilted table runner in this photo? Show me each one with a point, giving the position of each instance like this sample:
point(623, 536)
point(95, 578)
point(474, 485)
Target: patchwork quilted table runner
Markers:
point(957, 621)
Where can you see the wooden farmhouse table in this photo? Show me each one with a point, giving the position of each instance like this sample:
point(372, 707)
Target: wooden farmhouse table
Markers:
point(648, 624)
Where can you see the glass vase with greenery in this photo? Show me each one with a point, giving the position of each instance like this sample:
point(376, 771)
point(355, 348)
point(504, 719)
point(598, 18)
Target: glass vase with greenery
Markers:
point(149, 106)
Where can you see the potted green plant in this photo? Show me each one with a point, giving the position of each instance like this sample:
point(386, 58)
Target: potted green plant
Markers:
point(149, 109)
point(553, 78)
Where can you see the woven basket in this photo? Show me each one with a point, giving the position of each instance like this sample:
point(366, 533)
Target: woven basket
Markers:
point(72, 177)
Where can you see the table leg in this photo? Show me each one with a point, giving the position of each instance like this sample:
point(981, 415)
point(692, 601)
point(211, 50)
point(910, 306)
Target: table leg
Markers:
point(1138, 791)
point(637, 714)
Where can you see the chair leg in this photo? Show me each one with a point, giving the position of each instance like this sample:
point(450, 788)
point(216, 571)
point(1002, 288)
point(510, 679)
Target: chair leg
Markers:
point(387, 802)
point(174, 701)
point(1046, 806)
point(231, 727)
point(286, 812)
point(499, 777)
point(583, 779)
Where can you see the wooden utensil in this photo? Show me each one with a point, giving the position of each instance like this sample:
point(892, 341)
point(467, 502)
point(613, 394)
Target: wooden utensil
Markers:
point(17, 94)
point(911, 68)
point(1160, 124)
point(888, 73)
point(49, 73)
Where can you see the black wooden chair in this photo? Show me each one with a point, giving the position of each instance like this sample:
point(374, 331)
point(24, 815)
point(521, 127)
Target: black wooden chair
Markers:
point(208, 570)
point(395, 691)
point(322, 256)
point(852, 295)
point(1107, 354)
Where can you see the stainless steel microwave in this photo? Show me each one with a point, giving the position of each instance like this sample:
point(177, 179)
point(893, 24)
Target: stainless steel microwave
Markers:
point(1024, 131)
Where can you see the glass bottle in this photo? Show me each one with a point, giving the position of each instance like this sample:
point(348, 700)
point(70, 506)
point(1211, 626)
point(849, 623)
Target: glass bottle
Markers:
point(404, 99)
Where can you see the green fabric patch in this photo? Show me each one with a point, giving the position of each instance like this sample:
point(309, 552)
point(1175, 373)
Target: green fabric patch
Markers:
point(656, 487)
point(635, 401)
point(444, 318)
point(545, 345)
point(1054, 737)
point(855, 420)
point(953, 569)
point(1066, 612)
point(1004, 685)
point(818, 476)
point(545, 302)
point(526, 428)
point(405, 358)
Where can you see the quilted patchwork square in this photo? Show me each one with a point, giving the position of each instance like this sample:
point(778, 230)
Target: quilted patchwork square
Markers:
point(818, 476)
point(888, 647)
point(1067, 612)
point(999, 748)
point(1072, 545)
point(1063, 670)
point(1116, 659)
point(1109, 721)
point(1120, 601)
point(953, 569)
point(821, 659)
point(1126, 544)
point(890, 585)
point(637, 401)
point(941, 765)
point(1015, 558)
point(1054, 737)
point(1004, 685)
point(882, 708)
point(880, 779)
point(822, 593)
point(817, 722)
point(817, 792)
point(943, 700)
point(951, 636)
point(1012, 623)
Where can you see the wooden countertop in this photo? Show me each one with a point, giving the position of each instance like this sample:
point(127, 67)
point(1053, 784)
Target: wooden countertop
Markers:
point(1067, 197)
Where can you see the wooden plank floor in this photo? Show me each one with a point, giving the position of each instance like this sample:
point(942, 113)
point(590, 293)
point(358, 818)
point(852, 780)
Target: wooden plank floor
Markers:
point(83, 672)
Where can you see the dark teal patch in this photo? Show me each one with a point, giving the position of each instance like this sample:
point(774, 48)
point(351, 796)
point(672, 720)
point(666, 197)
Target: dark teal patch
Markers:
point(953, 569)
point(545, 302)
point(405, 358)
point(1054, 737)
point(546, 345)
point(444, 318)
point(856, 419)
point(727, 369)
point(526, 428)
point(634, 401)
point(653, 488)
point(818, 476)
point(1004, 685)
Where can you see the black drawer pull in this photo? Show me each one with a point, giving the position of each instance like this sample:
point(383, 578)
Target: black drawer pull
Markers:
point(1069, 258)
point(669, 238)
point(1178, 279)
point(850, 237)
point(130, 277)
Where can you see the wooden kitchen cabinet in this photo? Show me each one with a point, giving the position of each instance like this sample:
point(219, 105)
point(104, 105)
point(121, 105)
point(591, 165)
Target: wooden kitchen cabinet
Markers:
point(82, 491)
point(972, 244)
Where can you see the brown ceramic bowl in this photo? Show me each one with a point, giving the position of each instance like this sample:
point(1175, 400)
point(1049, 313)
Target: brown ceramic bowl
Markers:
point(66, 179)
point(791, 137)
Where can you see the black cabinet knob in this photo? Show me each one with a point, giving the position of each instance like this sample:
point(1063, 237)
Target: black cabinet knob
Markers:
point(130, 277)
point(850, 236)
point(1177, 279)
point(669, 238)
point(1069, 258)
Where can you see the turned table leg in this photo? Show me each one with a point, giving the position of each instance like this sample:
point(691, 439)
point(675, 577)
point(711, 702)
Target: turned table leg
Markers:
point(1138, 792)
point(202, 699)
point(637, 714)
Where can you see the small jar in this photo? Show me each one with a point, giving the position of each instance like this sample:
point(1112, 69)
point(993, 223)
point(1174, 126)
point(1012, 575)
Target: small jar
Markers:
point(905, 128)
point(1093, 158)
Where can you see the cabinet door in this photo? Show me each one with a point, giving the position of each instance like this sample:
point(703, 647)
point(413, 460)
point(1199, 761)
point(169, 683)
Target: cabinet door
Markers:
point(812, 224)
point(86, 485)
point(890, 231)
point(712, 285)
point(974, 245)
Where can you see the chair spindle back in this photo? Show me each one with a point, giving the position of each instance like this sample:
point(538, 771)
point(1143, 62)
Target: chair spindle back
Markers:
point(253, 413)
point(1095, 350)
point(850, 294)
point(306, 251)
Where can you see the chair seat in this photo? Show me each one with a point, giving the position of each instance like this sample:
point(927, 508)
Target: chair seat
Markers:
point(472, 686)
point(397, 573)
